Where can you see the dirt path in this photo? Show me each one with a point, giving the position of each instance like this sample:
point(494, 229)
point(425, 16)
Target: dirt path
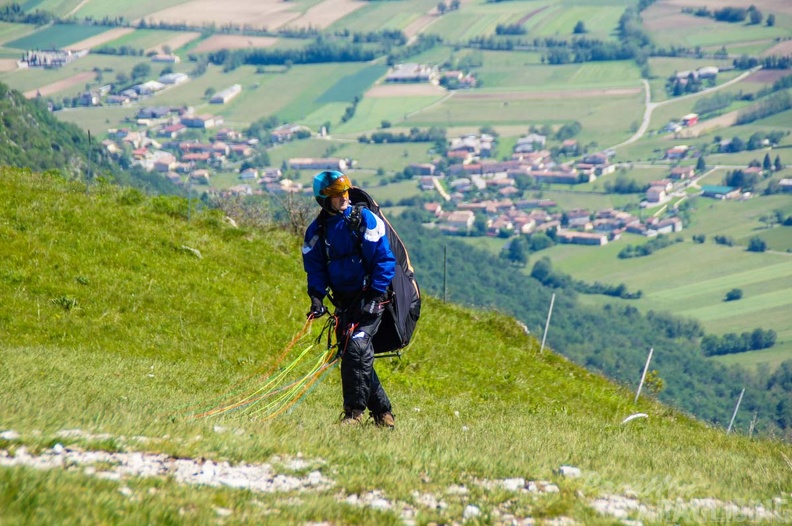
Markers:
point(55, 87)
point(651, 106)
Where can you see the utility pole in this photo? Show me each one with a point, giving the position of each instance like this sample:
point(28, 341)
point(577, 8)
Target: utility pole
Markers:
point(547, 324)
point(89, 175)
point(734, 415)
point(643, 376)
point(445, 272)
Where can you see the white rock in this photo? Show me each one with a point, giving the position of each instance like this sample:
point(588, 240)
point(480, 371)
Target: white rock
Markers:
point(58, 449)
point(514, 484)
point(223, 512)
point(9, 435)
point(569, 471)
point(456, 490)
point(470, 512)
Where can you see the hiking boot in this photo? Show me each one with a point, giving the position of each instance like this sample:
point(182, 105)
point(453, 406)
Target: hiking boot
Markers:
point(384, 420)
point(351, 417)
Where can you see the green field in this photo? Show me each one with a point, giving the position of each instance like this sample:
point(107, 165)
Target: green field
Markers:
point(58, 7)
point(600, 19)
point(679, 278)
point(96, 120)
point(129, 9)
point(56, 37)
point(371, 112)
point(523, 71)
point(605, 120)
point(376, 16)
point(144, 39)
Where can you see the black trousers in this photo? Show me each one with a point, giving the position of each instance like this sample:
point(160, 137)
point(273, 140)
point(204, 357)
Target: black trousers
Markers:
point(359, 381)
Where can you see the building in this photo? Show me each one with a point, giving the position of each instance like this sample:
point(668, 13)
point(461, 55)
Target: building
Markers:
point(224, 96)
point(720, 192)
point(679, 173)
point(307, 163)
point(690, 119)
point(411, 72)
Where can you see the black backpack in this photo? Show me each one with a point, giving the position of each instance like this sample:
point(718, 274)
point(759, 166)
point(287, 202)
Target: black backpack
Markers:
point(404, 308)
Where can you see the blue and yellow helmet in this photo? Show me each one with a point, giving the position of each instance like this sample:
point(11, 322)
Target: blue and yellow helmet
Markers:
point(328, 184)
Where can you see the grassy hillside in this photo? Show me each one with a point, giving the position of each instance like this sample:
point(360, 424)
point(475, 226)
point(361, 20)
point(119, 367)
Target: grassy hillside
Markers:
point(118, 313)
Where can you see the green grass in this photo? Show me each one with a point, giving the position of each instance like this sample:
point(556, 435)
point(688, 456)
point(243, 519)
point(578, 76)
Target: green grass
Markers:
point(131, 9)
point(376, 16)
point(96, 120)
point(371, 112)
point(605, 120)
point(57, 36)
point(155, 328)
point(143, 38)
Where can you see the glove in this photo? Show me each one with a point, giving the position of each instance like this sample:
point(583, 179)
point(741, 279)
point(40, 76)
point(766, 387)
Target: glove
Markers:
point(374, 303)
point(317, 308)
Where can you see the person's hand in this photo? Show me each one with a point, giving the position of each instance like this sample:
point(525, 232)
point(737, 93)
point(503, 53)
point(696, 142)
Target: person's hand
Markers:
point(374, 303)
point(317, 308)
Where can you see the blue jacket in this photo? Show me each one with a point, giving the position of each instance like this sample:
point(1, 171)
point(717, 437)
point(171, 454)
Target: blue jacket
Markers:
point(346, 271)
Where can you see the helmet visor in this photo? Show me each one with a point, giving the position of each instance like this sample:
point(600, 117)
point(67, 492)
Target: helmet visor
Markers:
point(337, 187)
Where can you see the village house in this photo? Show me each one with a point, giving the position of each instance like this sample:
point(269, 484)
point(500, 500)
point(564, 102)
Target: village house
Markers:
point(665, 184)
point(535, 203)
point(307, 163)
point(164, 161)
point(656, 194)
point(498, 224)
point(153, 112)
point(667, 226)
point(679, 173)
point(201, 121)
point(241, 150)
point(569, 147)
point(435, 209)
point(529, 143)
point(559, 176)
point(677, 152)
point(785, 185)
point(422, 168)
point(581, 238)
point(172, 130)
point(460, 221)
point(579, 218)
point(426, 183)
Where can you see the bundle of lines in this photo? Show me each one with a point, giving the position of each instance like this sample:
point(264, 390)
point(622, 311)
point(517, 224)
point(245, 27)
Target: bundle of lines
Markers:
point(283, 386)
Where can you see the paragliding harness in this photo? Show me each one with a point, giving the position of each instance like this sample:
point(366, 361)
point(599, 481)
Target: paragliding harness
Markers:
point(403, 305)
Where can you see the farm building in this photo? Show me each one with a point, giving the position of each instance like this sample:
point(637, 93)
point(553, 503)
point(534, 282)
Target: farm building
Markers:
point(720, 192)
point(690, 119)
point(582, 238)
point(168, 59)
point(221, 97)
point(173, 78)
point(785, 185)
point(413, 73)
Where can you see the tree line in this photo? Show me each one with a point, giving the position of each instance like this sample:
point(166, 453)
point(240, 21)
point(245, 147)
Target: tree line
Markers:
point(731, 343)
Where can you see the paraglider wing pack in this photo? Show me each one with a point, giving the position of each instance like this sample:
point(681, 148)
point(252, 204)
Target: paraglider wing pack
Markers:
point(404, 308)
